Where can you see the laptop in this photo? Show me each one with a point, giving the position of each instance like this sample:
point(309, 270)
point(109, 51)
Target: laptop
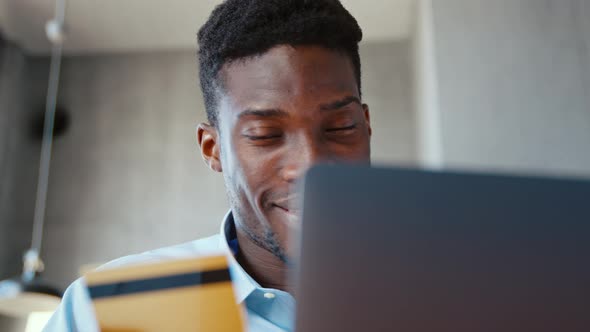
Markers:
point(408, 250)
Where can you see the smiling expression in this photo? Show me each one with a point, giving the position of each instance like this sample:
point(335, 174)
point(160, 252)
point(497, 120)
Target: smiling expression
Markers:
point(280, 113)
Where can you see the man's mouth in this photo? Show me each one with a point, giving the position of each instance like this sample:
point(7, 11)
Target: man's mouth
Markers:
point(287, 209)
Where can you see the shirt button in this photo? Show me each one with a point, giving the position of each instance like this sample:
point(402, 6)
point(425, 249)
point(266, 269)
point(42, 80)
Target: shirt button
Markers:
point(269, 295)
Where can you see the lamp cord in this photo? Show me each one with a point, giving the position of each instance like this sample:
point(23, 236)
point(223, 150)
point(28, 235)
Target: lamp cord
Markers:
point(46, 147)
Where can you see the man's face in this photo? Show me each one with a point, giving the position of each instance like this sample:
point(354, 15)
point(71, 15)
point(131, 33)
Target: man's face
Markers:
point(280, 113)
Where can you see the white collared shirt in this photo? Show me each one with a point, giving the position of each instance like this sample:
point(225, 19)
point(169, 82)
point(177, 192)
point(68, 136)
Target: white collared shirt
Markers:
point(267, 309)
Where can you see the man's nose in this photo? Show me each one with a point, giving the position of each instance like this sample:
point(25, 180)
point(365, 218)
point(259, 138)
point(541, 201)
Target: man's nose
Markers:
point(300, 158)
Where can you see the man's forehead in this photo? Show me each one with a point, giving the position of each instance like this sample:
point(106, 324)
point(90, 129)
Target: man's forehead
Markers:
point(285, 71)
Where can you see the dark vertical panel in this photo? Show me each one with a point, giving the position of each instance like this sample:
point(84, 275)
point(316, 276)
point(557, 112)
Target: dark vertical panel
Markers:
point(22, 90)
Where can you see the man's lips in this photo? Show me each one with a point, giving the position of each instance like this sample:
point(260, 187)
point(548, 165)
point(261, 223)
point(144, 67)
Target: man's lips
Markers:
point(289, 210)
point(286, 201)
point(289, 204)
point(286, 208)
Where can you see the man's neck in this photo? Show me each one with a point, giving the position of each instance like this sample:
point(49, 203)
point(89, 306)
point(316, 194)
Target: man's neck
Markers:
point(267, 269)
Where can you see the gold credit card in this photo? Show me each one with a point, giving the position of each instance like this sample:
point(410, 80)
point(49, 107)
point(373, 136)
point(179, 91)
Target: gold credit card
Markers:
point(183, 295)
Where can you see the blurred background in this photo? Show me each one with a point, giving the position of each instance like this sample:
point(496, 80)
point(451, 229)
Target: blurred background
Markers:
point(499, 85)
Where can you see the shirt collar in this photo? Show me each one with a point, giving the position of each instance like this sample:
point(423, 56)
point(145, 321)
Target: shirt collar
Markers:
point(244, 285)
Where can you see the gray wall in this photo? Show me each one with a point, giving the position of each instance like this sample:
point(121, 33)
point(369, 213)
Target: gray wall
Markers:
point(22, 94)
point(128, 176)
point(514, 78)
point(387, 89)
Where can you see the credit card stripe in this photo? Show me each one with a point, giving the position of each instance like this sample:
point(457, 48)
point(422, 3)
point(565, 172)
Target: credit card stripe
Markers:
point(159, 283)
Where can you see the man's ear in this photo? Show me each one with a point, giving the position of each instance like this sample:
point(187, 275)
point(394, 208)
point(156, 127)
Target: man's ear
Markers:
point(367, 118)
point(208, 140)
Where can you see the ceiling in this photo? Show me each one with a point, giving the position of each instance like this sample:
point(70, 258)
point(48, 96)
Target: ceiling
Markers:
point(107, 26)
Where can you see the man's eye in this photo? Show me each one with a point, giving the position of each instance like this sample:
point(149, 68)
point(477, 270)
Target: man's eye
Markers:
point(262, 137)
point(262, 133)
point(341, 129)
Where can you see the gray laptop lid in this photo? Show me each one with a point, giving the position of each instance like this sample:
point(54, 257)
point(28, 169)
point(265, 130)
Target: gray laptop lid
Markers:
point(405, 250)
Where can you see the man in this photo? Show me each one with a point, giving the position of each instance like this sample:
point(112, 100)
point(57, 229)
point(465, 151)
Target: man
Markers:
point(282, 90)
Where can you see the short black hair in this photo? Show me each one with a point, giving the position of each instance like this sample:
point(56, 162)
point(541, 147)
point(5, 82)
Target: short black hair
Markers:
point(244, 28)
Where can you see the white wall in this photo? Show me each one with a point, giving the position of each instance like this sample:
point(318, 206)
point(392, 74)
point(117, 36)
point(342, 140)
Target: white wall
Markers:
point(514, 84)
point(426, 89)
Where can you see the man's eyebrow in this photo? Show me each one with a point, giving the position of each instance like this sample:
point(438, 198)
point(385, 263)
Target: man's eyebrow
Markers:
point(339, 103)
point(265, 113)
point(278, 113)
